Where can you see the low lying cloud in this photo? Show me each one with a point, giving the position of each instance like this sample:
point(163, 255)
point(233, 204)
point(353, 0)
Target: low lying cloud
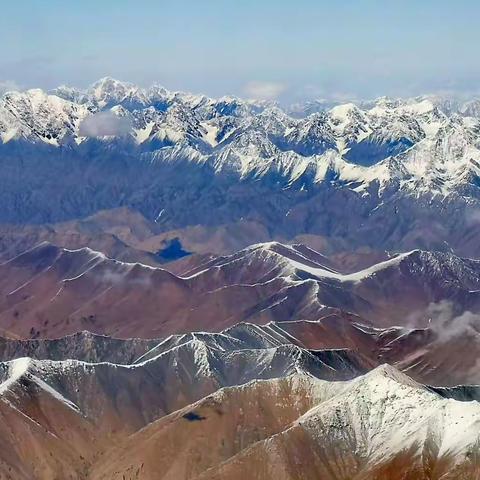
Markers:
point(122, 279)
point(264, 90)
point(105, 124)
point(449, 326)
point(446, 323)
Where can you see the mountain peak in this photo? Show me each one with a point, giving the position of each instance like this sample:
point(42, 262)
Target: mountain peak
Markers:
point(390, 373)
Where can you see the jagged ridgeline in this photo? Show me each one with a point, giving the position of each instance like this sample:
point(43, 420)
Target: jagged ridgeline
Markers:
point(221, 289)
point(404, 172)
point(150, 418)
point(383, 312)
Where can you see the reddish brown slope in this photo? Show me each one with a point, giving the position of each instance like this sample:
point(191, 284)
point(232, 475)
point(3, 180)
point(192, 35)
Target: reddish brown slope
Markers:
point(381, 426)
point(50, 292)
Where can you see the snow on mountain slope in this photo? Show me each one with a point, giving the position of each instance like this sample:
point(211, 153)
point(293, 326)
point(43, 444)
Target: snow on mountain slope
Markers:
point(169, 379)
point(374, 401)
point(16, 369)
point(35, 116)
point(412, 142)
point(50, 291)
point(381, 426)
point(370, 425)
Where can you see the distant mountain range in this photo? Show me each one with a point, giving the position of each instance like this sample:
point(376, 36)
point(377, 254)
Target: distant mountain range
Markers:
point(389, 174)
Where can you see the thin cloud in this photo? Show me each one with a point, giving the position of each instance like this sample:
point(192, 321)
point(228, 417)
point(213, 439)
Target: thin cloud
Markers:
point(444, 321)
point(105, 124)
point(118, 278)
point(317, 92)
point(264, 90)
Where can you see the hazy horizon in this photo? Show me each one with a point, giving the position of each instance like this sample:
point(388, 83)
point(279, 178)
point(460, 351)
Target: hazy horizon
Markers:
point(276, 50)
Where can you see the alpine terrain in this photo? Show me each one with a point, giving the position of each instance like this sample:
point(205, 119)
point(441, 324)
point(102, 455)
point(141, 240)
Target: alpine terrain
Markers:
point(197, 288)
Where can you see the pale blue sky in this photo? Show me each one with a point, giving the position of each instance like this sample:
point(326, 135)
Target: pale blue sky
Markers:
point(298, 48)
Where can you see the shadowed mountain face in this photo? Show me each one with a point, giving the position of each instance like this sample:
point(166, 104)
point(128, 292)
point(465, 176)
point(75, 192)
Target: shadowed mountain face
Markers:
point(83, 346)
point(127, 235)
point(427, 355)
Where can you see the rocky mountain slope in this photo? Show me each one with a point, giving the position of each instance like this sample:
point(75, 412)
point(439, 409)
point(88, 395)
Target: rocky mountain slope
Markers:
point(418, 311)
point(360, 433)
point(49, 291)
point(66, 414)
point(86, 420)
point(287, 398)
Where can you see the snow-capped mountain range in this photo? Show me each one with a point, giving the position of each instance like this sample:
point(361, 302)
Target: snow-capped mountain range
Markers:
point(287, 294)
point(393, 174)
point(420, 142)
